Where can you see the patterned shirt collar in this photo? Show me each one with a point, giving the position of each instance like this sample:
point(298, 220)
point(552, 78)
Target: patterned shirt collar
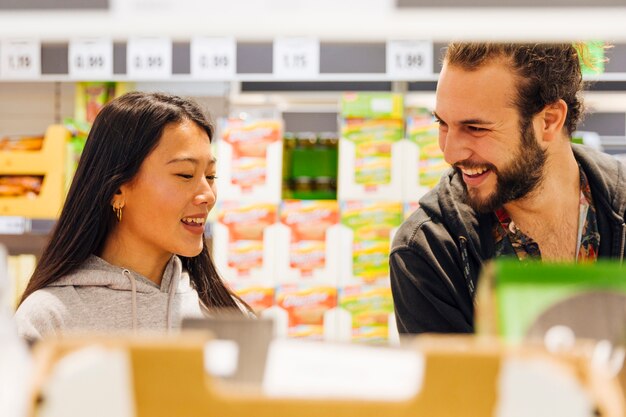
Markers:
point(509, 240)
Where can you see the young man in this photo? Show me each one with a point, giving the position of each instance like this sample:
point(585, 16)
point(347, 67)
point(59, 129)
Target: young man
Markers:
point(518, 186)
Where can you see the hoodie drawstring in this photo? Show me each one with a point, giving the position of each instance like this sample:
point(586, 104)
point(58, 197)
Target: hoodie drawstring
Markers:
point(466, 266)
point(133, 286)
point(621, 253)
point(170, 299)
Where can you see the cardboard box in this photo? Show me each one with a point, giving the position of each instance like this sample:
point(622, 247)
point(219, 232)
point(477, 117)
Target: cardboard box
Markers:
point(371, 309)
point(309, 235)
point(249, 155)
point(305, 306)
point(423, 163)
point(371, 161)
point(244, 244)
point(370, 226)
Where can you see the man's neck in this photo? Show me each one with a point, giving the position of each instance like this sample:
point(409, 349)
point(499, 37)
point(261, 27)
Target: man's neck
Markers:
point(557, 194)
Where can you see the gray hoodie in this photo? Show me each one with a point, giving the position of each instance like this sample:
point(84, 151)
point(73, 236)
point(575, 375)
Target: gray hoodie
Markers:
point(101, 297)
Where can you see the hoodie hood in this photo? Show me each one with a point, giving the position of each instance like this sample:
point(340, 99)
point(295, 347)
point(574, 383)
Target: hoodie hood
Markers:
point(607, 178)
point(462, 222)
point(96, 272)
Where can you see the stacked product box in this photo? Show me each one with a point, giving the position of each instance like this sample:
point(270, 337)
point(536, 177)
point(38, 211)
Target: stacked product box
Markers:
point(370, 148)
point(423, 160)
point(364, 292)
point(246, 220)
point(250, 152)
point(308, 266)
point(370, 194)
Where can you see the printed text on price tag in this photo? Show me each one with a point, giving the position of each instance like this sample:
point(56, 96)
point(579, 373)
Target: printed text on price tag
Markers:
point(20, 59)
point(90, 59)
point(409, 59)
point(296, 58)
point(213, 58)
point(149, 58)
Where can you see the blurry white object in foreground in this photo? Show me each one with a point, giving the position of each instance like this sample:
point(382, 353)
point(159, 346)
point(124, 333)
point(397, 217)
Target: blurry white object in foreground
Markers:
point(540, 388)
point(322, 370)
point(93, 381)
point(15, 361)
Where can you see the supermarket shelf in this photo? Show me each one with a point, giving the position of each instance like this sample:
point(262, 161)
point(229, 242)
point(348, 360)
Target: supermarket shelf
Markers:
point(339, 62)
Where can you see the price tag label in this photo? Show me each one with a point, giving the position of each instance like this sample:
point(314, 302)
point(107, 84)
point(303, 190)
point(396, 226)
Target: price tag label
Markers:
point(213, 58)
point(296, 58)
point(149, 58)
point(409, 59)
point(20, 59)
point(11, 225)
point(91, 59)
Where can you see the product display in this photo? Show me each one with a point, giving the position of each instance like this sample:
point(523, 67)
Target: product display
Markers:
point(310, 166)
point(32, 180)
point(422, 132)
point(306, 305)
point(251, 151)
point(245, 239)
point(372, 225)
point(372, 128)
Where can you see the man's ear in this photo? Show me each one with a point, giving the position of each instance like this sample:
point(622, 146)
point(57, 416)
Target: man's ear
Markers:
point(552, 120)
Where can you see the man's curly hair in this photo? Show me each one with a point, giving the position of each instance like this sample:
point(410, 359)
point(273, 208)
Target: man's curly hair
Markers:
point(546, 73)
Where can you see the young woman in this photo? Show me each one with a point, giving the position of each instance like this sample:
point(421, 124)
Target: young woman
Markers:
point(128, 251)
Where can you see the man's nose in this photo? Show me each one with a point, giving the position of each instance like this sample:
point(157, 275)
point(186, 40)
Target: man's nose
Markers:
point(454, 145)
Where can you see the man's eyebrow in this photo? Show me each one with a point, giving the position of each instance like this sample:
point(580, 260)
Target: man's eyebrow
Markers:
point(466, 121)
point(194, 161)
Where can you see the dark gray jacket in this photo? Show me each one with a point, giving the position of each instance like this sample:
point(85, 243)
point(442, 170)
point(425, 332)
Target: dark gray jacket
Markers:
point(438, 253)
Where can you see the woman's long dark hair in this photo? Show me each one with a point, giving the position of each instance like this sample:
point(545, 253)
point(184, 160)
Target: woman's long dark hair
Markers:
point(122, 136)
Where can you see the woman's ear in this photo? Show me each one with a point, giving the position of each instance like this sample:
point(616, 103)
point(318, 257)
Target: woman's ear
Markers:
point(553, 119)
point(118, 199)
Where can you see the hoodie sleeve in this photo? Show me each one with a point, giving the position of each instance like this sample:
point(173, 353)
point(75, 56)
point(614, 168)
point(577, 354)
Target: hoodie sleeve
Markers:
point(41, 314)
point(424, 300)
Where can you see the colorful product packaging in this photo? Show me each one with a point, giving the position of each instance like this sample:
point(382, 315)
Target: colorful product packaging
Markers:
point(259, 297)
point(371, 308)
point(372, 225)
point(409, 208)
point(243, 244)
point(372, 128)
point(311, 239)
point(306, 306)
point(424, 163)
point(251, 152)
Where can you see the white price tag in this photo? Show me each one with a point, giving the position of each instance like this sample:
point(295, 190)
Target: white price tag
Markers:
point(296, 58)
point(409, 59)
point(91, 59)
point(149, 58)
point(12, 225)
point(213, 58)
point(20, 58)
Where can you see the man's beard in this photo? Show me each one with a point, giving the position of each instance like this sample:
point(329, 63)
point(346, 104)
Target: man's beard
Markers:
point(513, 182)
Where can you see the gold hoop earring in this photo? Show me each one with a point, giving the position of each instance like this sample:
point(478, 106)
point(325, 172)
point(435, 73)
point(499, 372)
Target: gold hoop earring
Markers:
point(118, 212)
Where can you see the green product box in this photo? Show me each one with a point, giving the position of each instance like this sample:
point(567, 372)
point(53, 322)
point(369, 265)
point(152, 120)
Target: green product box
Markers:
point(524, 300)
point(372, 105)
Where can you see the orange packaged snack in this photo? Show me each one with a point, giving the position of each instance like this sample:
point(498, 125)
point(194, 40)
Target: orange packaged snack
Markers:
point(21, 143)
point(20, 185)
